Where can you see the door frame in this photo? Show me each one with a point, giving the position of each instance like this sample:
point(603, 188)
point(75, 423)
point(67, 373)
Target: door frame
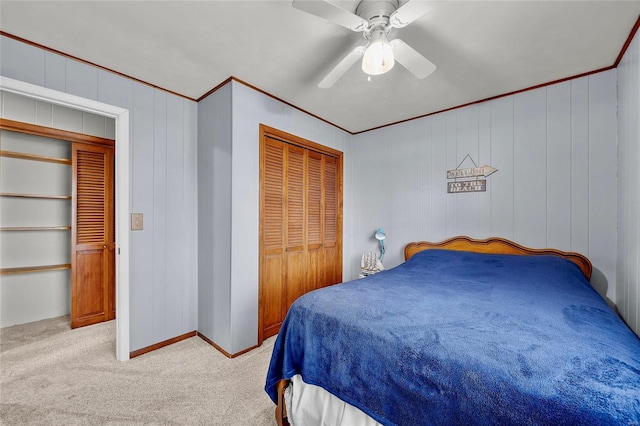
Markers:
point(121, 116)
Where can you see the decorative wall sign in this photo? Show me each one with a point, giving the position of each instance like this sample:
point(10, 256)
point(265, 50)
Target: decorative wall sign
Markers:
point(472, 172)
point(476, 185)
point(479, 185)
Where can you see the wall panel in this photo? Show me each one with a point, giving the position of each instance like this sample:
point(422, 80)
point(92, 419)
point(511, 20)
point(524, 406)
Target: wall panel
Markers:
point(22, 62)
point(558, 165)
point(438, 187)
point(81, 80)
point(214, 217)
point(500, 184)
point(602, 179)
point(411, 156)
point(451, 161)
point(529, 167)
point(484, 157)
point(579, 161)
point(467, 142)
point(628, 259)
point(161, 225)
point(174, 227)
point(143, 250)
point(189, 217)
point(56, 71)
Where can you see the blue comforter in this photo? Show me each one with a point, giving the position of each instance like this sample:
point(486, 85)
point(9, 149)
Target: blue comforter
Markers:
point(465, 338)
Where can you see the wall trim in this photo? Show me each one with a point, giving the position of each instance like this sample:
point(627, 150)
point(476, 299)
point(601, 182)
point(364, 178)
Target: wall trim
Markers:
point(222, 351)
point(185, 336)
point(215, 89)
point(121, 117)
point(93, 64)
point(515, 92)
point(162, 344)
point(257, 89)
point(626, 45)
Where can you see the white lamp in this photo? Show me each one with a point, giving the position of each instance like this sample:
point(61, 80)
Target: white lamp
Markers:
point(378, 58)
point(380, 236)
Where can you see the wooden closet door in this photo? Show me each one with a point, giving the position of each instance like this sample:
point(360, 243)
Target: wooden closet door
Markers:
point(283, 262)
point(300, 224)
point(93, 235)
point(315, 222)
point(332, 220)
point(272, 307)
point(295, 236)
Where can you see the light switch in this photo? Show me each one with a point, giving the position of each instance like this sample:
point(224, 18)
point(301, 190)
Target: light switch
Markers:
point(136, 221)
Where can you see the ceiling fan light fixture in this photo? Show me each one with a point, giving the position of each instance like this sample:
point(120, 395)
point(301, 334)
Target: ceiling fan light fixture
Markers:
point(378, 58)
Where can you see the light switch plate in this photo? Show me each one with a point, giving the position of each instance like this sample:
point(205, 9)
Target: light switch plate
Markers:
point(136, 221)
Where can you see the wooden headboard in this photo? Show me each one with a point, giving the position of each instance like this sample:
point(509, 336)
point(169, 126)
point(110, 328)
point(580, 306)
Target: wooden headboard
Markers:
point(497, 246)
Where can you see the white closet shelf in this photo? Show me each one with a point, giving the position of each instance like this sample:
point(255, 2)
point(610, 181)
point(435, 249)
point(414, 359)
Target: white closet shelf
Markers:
point(34, 157)
point(28, 269)
point(20, 195)
point(36, 228)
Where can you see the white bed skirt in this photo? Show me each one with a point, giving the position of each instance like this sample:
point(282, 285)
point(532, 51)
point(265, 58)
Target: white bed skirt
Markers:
point(310, 405)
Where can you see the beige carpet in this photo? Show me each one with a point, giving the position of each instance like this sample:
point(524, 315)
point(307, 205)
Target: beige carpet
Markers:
point(52, 375)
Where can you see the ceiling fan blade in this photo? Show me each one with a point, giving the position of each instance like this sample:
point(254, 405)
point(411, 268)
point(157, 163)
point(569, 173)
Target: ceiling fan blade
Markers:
point(409, 12)
point(333, 13)
point(411, 59)
point(342, 67)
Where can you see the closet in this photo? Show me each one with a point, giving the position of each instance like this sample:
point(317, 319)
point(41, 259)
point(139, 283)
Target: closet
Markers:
point(57, 222)
point(300, 223)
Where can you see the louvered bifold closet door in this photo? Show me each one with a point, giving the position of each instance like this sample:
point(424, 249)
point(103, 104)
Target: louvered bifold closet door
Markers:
point(296, 231)
point(273, 267)
point(315, 222)
point(300, 224)
point(332, 221)
point(93, 236)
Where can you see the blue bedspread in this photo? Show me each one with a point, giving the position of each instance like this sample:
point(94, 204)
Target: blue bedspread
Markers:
point(464, 338)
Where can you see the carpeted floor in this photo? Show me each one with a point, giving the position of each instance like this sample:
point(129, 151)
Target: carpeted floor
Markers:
point(52, 375)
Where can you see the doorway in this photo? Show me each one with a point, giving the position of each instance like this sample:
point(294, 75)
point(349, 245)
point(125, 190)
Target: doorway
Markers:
point(121, 116)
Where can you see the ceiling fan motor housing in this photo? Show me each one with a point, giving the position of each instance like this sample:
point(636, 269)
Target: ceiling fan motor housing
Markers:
point(377, 13)
point(368, 9)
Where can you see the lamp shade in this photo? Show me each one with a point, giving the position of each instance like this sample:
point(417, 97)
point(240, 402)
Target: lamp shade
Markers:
point(378, 58)
point(380, 236)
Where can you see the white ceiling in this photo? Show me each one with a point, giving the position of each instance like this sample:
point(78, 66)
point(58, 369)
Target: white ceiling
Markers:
point(482, 49)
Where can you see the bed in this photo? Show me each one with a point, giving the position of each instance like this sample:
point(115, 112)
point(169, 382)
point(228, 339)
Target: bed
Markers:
point(464, 332)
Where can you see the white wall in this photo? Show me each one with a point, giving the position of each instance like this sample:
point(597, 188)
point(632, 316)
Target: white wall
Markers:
point(214, 217)
point(628, 265)
point(36, 296)
point(163, 152)
point(554, 147)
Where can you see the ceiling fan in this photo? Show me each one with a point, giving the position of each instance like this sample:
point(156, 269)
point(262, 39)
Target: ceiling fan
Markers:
point(375, 19)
